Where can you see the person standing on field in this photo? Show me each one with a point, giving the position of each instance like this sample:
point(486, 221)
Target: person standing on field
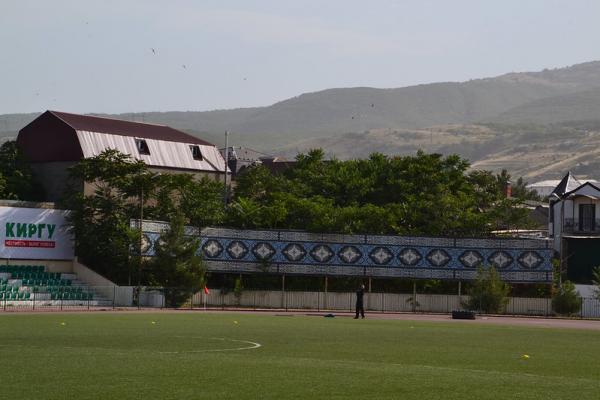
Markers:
point(360, 309)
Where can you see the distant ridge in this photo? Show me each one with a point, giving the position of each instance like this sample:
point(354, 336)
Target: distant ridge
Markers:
point(359, 117)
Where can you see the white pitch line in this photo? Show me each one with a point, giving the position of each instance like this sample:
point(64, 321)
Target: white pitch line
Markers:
point(253, 345)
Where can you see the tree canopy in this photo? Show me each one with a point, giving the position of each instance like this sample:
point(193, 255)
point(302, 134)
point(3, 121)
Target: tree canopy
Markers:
point(16, 177)
point(424, 194)
point(123, 189)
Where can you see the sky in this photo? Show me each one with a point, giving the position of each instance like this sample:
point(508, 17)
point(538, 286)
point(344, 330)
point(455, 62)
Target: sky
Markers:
point(148, 55)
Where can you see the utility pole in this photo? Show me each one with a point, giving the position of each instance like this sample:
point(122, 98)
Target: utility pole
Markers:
point(139, 280)
point(226, 167)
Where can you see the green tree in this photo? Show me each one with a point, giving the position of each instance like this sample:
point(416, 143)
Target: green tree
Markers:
point(201, 201)
point(565, 300)
point(422, 194)
point(488, 293)
point(238, 289)
point(121, 189)
point(101, 220)
point(177, 267)
point(17, 181)
point(596, 281)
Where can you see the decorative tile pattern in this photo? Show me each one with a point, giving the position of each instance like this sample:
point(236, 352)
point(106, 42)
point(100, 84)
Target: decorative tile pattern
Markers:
point(237, 249)
point(294, 252)
point(410, 256)
point(263, 251)
point(500, 259)
point(230, 250)
point(212, 248)
point(471, 258)
point(322, 253)
point(530, 260)
point(349, 254)
point(438, 257)
point(381, 255)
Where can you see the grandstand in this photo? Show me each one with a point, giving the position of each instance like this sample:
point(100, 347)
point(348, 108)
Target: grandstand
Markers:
point(33, 283)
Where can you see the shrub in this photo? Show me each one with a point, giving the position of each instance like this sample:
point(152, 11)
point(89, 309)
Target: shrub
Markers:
point(488, 293)
point(238, 289)
point(565, 300)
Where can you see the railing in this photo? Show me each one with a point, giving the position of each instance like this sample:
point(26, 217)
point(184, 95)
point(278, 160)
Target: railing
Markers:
point(589, 227)
point(160, 298)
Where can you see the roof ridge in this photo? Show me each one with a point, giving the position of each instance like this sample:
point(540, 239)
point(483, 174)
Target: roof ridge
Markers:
point(54, 112)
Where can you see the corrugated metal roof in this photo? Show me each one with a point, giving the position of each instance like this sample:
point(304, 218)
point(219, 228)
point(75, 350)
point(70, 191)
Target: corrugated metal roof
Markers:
point(163, 153)
point(126, 128)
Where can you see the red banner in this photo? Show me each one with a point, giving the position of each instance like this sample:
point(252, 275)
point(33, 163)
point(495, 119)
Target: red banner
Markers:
point(30, 243)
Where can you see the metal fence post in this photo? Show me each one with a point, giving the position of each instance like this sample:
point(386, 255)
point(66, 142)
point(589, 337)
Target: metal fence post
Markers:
point(33, 305)
point(319, 300)
point(114, 295)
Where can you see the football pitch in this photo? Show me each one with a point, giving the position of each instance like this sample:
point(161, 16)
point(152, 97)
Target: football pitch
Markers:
point(187, 355)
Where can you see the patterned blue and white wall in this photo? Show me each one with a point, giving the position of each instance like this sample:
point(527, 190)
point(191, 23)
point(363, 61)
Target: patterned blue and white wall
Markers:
point(292, 252)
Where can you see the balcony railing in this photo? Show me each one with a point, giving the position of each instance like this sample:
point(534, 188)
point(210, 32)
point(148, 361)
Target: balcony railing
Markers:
point(590, 227)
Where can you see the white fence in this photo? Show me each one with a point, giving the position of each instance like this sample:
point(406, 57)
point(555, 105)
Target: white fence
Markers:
point(379, 302)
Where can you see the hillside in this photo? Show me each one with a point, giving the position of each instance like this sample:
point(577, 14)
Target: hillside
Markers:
point(579, 106)
point(535, 152)
point(479, 118)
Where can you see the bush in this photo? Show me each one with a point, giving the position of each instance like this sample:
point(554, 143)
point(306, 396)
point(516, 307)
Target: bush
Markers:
point(488, 293)
point(237, 290)
point(565, 300)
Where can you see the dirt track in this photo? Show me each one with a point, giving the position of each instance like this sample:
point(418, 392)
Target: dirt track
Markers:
point(496, 320)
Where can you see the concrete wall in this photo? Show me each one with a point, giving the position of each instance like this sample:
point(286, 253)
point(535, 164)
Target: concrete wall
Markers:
point(120, 295)
point(54, 177)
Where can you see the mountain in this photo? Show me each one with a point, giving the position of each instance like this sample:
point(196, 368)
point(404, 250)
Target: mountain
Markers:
point(477, 118)
point(579, 106)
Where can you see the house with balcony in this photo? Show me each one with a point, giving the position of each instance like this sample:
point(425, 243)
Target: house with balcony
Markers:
point(574, 226)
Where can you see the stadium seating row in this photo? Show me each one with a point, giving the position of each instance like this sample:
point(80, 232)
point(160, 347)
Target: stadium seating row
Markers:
point(21, 268)
point(46, 282)
point(15, 296)
point(35, 279)
point(8, 288)
point(71, 296)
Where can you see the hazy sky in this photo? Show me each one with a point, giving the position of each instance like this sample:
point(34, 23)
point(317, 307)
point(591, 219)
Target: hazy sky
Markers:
point(97, 56)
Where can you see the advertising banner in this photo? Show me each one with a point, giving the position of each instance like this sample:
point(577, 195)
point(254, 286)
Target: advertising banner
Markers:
point(34, 233)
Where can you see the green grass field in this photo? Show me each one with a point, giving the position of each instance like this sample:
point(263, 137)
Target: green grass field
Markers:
point(193, 356)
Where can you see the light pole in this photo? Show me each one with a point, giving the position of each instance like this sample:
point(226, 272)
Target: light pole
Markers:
point(226, 167)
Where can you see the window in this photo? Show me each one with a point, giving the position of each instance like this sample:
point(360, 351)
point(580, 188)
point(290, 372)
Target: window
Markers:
point(587, 217)
point(196, 153)
point(142, 146)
